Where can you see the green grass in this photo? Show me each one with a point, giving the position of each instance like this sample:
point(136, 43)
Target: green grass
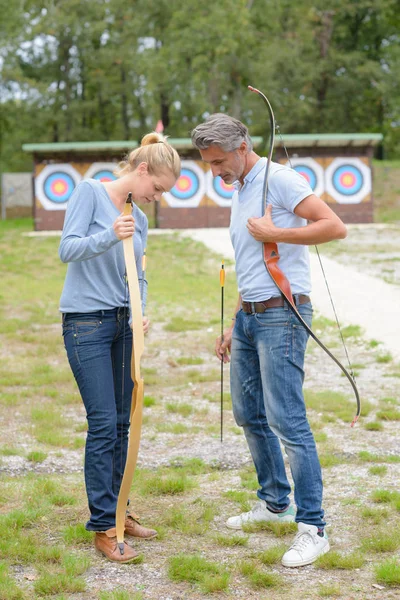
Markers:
point(329, 590)
point(258, 578)
point(120, 595)
point(334, 560)
point(336, 404)
point(42, 516)
point(36, 456)
point(388, 573)
point(231, 540)
point(194, 568)
point(190, 360)
point(386, 540)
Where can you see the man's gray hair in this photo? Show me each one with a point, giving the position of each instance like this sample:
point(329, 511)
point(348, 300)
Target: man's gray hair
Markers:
point(223, 131)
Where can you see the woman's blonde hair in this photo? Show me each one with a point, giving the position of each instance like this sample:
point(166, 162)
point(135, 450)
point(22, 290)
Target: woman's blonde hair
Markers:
point(156, 152)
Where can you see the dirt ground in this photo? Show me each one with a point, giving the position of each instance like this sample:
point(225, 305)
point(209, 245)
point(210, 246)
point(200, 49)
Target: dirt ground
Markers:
point(348, 484)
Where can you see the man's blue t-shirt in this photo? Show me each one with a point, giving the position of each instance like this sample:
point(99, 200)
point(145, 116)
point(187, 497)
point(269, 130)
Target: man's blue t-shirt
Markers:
point(286, 189)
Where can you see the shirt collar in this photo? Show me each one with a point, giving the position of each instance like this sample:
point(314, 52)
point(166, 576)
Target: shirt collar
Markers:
point(252, 174)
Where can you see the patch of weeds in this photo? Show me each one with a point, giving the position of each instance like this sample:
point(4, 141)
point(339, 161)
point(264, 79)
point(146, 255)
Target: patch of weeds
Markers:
point(373, 426)
point(75, 565)
point(385, 496)
point(167, 483)
point(190, 360)
point(190, 466)
point(275, 527)
point(51, 583)
point(63, 500)
point(37, 456)
point(236, 430)
point(77, 534)
point(388, 415)
point(249, 479)
point(382, 541)
point(181, 409)
point(242, 498)
point(384, 358)
point(149, 401)
point(366, 456)
point(210, 576)
point(151, 376)
point(9, 398)
point(177, 324)
point(373, 343)
point(333, 403)
point(175, 428)
point(320, 437)
point(272, 555)
point(9, 451)
point(120, 595)
point(388, 572)
point(376, 515)
point(330, 590)
point(21, 518)
point(195, 376)
point(352, 331)
point(335, 560)
point(226, 400)
point(8, 588)
point(378, 470)
point(231, 540)
point(329, 459)
point(259, 579)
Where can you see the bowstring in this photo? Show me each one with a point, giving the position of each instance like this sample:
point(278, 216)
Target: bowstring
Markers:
point(323, 272)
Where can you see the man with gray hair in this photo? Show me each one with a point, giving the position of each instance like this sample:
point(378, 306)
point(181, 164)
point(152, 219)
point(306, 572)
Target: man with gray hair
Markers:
point(266, 341)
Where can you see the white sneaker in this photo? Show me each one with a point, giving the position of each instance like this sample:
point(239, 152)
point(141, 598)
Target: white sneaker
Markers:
point(260, 513)
point(306, 548)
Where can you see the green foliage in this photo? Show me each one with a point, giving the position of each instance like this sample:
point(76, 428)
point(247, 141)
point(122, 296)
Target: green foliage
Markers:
point(324, 69)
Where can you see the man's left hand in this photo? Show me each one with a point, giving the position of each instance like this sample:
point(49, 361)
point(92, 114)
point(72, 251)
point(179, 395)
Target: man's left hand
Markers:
point(262, 228)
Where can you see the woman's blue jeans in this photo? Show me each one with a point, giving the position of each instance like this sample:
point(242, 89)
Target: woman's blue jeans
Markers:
point(99, 347)
point(266, 384)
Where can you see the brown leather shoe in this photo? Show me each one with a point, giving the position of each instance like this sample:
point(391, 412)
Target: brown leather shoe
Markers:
point(106, 544)
point(135, 529)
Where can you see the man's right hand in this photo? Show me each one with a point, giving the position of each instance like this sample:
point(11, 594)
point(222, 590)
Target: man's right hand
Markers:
point(223, 348)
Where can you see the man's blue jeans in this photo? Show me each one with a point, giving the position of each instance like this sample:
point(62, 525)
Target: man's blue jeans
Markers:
point(266, 384)
point(98, 345)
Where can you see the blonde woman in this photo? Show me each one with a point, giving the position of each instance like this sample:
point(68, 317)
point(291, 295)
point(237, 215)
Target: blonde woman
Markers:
point(95, 316)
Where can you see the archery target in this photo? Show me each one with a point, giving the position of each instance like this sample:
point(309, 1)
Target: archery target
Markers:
point(101, 171)
point(55, 184)
point(348, 180)
point(219, 191)
point(189, 188)
point(311, 170)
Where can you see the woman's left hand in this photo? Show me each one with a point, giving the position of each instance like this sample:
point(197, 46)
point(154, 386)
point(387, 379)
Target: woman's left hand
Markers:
point(146, 324)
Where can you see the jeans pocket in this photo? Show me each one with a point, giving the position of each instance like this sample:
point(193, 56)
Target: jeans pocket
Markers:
point(299, 337)
point(84, 328)
point(272, 318)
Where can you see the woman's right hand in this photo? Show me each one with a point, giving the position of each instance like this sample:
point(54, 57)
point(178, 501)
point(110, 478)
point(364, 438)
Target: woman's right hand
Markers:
point(124, 226)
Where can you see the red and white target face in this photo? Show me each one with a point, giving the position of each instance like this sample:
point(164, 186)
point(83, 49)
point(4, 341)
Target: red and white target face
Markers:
point(102, 171)
point(189, 188)
point(220, 192)
point(55, 184)
point(312, 172)
point(348, 180)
